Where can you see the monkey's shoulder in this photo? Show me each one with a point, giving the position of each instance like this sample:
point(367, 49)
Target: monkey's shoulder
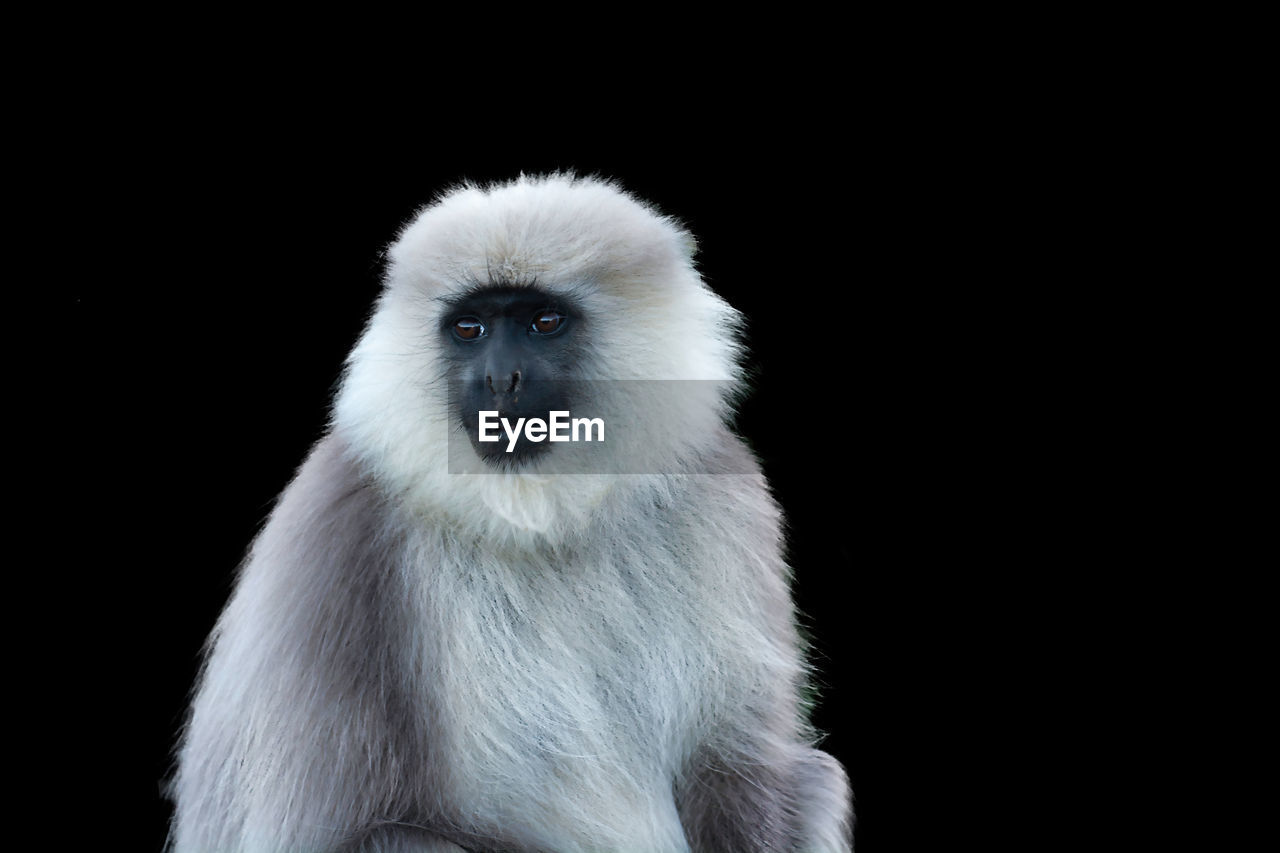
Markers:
point(331, 499)
point(725, 511)
point(730, 478)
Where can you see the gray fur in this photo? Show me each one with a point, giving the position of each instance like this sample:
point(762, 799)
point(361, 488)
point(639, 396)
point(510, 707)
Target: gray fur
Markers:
point(386, 678)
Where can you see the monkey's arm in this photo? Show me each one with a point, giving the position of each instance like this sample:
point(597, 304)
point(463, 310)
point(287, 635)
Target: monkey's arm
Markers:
point(302, 735)
point(755, 783)
point(399, 839)
point(758, 786)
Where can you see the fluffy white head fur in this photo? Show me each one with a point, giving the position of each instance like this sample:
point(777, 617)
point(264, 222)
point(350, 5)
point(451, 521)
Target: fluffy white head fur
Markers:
point(649, 314)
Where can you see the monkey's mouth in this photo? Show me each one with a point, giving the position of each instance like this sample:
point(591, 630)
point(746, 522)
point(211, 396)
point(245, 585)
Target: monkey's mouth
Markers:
point(503, 440)
point(523, 453)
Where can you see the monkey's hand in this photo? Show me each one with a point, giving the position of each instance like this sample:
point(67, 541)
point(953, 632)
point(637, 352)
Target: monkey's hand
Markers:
point(797, 801)
point(404, 839)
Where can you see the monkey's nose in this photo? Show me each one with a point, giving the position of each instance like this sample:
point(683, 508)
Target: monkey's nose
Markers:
point(503, 384)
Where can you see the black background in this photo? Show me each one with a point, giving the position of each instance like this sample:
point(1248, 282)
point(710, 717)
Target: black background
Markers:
point(231, 267)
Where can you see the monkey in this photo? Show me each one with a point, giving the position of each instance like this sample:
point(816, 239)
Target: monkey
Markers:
point(442, 642)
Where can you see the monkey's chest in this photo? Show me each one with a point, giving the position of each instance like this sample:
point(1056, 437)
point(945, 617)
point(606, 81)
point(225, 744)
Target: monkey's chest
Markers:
point(569, 707)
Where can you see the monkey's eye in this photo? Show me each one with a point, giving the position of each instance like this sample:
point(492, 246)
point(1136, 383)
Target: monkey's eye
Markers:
point(547, 322)
point(468, 328)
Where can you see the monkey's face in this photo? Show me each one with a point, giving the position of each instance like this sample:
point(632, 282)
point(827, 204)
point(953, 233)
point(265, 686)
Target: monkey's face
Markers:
point(541, 296)
point(511, 352)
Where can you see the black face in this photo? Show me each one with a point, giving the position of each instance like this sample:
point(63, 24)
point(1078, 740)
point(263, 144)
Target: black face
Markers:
point(511, 350)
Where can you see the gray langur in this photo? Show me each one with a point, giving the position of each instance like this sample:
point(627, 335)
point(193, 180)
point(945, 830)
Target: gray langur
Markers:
point(442, 644)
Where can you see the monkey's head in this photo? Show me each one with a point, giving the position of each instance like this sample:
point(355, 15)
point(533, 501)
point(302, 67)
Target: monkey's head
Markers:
point(511, 303)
